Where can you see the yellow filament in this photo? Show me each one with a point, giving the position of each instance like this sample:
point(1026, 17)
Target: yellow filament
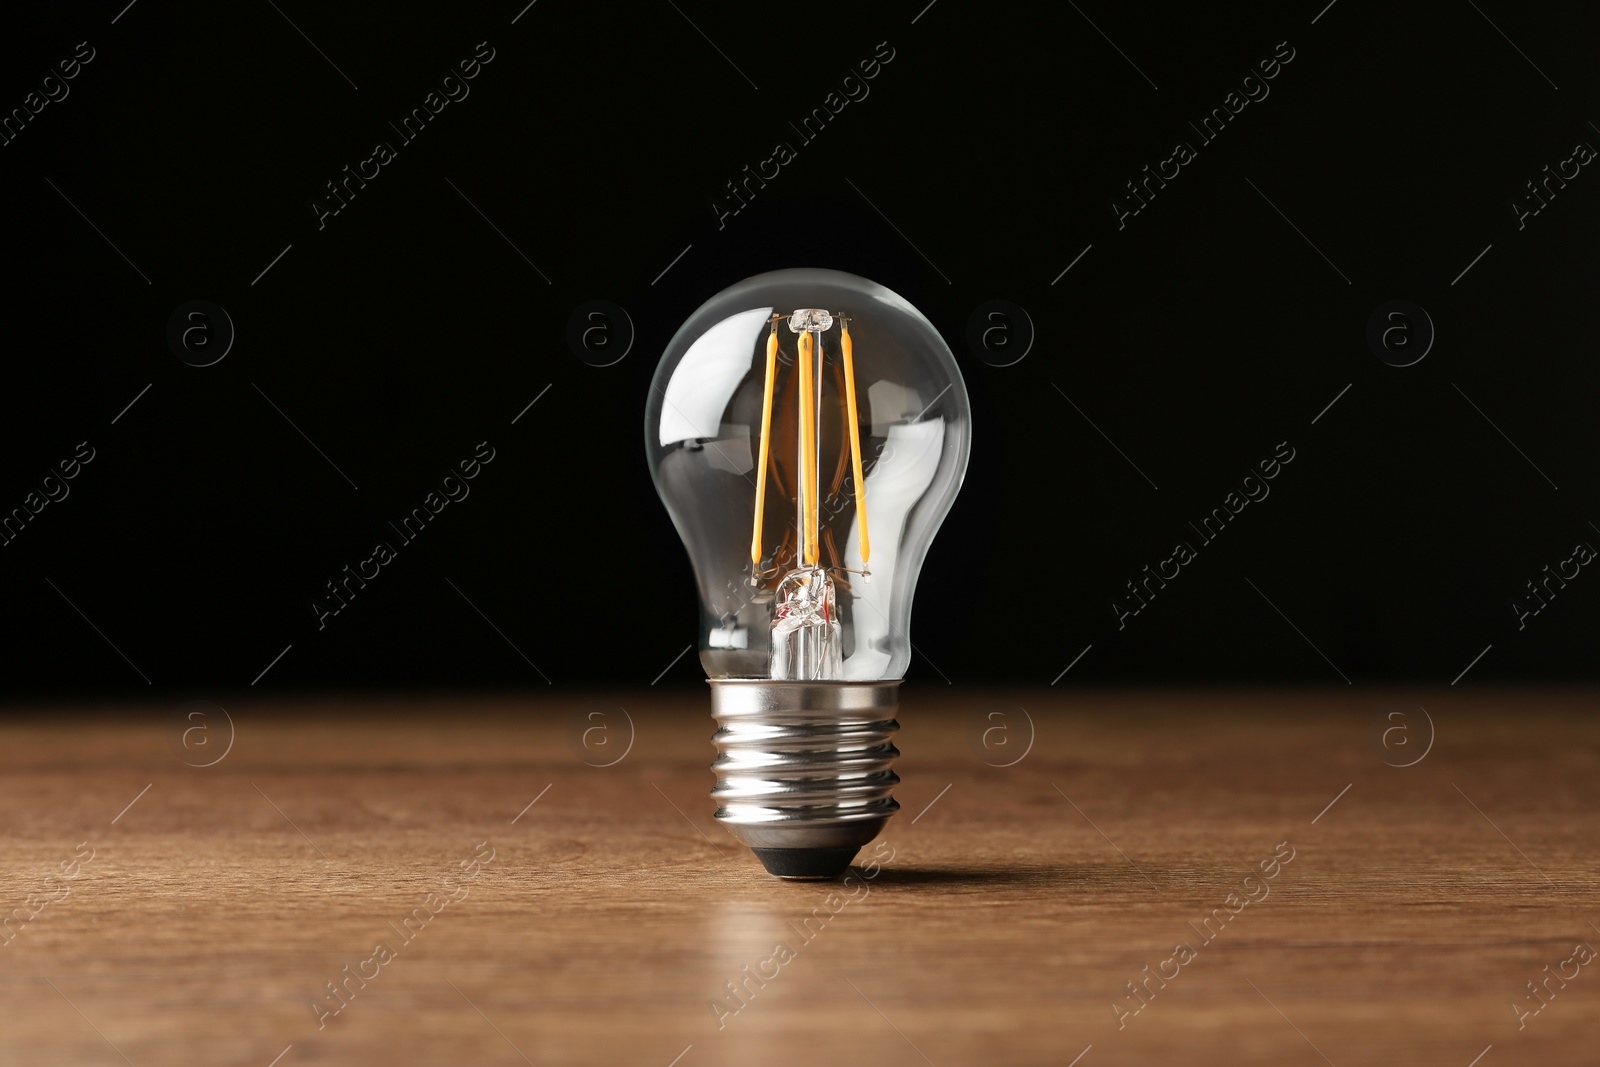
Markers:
point(808, 449)
point(855, 437)
point(766, 433)
point(812, 458)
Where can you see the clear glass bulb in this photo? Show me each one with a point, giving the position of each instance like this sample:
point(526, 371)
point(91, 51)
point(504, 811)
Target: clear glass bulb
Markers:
point(808, 431)
point(812, 585)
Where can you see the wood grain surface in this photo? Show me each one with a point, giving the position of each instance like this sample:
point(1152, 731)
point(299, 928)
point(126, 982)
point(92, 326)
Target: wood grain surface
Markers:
point(1332, 906)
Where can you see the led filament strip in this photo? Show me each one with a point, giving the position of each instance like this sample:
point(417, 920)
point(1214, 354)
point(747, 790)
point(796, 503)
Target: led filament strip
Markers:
point(808, 380)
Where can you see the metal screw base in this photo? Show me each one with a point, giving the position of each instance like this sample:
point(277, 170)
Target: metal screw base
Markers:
point(803, 769)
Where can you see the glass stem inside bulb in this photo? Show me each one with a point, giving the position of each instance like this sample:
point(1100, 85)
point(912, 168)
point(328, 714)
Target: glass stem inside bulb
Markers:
point(805, 627)
point(806, 634)
point(805, 622)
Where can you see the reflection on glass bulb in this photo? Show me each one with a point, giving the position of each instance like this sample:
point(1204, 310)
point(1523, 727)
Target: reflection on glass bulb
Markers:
point(785, 411)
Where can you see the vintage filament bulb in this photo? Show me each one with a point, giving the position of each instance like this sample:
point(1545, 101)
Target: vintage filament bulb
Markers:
point(787, 410)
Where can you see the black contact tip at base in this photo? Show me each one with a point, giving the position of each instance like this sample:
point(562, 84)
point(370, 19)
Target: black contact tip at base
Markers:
point(806, 864)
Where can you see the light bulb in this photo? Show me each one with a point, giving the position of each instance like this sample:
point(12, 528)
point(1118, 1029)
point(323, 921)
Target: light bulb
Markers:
point(808, 431)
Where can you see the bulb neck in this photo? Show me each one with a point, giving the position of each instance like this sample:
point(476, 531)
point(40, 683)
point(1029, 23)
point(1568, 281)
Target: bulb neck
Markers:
point(804, 769)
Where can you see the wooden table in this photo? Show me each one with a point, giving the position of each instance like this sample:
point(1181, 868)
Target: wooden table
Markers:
point(204, 921)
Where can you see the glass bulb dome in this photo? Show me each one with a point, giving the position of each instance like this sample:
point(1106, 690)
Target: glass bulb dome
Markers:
point(806, 550)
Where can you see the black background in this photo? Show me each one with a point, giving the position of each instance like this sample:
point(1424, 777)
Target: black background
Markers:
point(407, 329)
